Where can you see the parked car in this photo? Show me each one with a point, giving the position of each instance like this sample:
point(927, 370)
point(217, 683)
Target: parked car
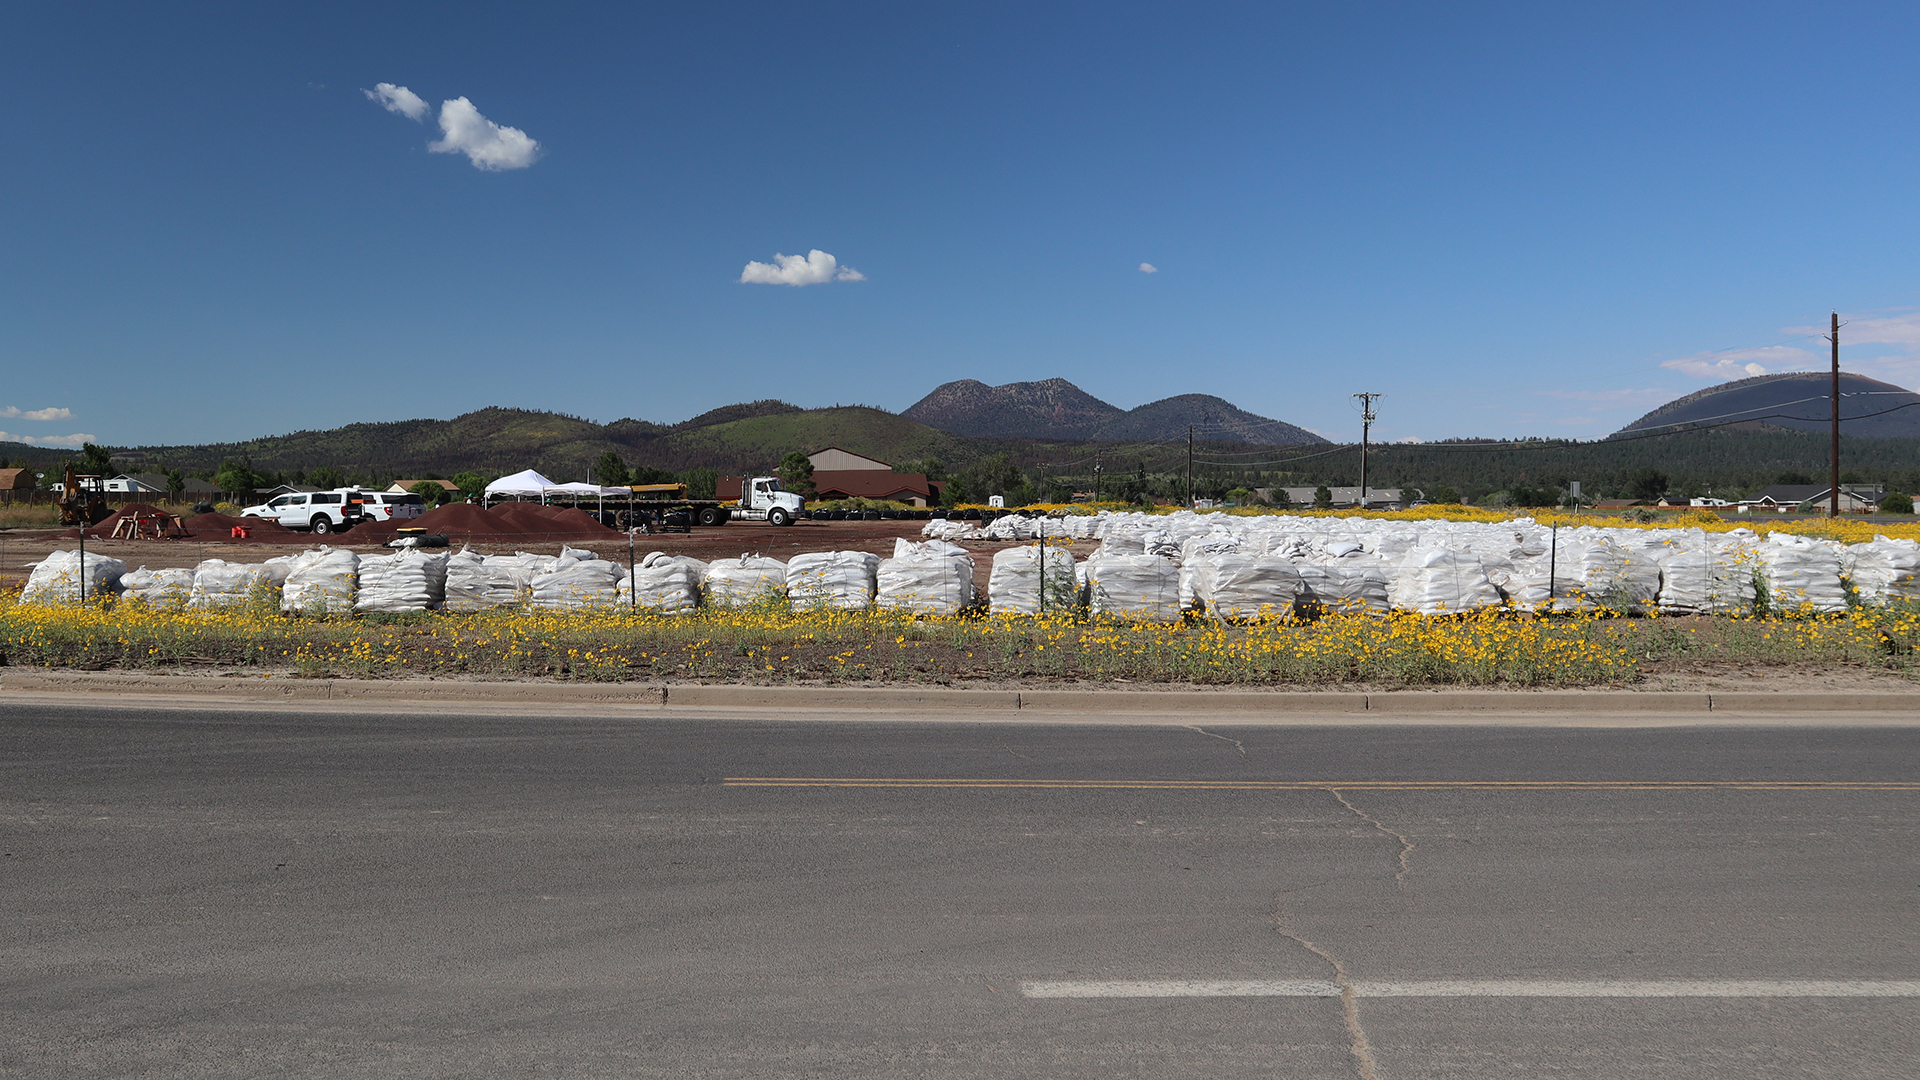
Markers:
point(394, 505)
point(322, 511)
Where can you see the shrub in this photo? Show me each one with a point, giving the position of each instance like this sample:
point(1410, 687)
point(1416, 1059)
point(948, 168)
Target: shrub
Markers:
point(1897, 503)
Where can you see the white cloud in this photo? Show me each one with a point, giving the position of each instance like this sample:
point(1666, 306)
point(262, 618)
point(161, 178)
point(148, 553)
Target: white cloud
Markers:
point(1902, 330)
point(816, 267)
point(398, 99)
point(50, 440)
point(12, 411)
point(1149, 268)
point(1742, 363)
point(488, 145)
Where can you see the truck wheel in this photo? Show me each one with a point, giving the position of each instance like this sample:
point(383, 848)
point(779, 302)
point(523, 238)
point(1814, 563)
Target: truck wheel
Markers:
point(712, 515)
point(322, 524)
point(779, 516)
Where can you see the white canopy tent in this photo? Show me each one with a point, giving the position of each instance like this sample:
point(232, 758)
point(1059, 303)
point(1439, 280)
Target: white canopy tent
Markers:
point(527, 482)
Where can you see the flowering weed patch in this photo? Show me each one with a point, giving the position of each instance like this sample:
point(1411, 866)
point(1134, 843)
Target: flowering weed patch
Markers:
point(772, 644)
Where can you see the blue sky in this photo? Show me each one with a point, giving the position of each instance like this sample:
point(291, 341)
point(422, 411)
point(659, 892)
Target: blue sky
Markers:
point(1511, 219)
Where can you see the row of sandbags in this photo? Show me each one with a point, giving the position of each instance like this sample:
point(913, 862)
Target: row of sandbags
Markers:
point(1439, 566)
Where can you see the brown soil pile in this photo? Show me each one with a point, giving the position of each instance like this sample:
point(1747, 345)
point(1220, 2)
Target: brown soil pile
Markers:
point(211, 527)
point(510, 523)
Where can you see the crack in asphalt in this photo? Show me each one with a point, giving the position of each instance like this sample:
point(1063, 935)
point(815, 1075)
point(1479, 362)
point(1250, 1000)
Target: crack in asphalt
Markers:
point(1357, 1042)
point(1406, 845)
point(1237, 744)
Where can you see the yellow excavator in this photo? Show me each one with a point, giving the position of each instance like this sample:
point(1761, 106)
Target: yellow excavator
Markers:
point(81, 505)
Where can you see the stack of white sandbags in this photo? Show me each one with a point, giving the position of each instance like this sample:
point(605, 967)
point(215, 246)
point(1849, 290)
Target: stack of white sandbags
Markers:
point(934, 578)
point(1886, 569)
point(1348, 587)
point(320, 582)
point(168, 588)
point(58, 578)
point(951, 529)
point(1802, 574)
point(1014, 585)
point(1617, 577)
point(665, 584)
point(1145, 587)
point(407, 580)
point(844, 580)
point(1439, 581)
point(745, 579)
point(1242, 586)
point(1707, 580)
point(578, 580)
point(221, 584)
point(480, 583)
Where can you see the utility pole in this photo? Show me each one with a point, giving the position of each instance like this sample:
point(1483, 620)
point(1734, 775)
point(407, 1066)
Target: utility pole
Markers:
point(1833, 504)
point(1096, 476)
point(1189, 466)
point(1366, 425)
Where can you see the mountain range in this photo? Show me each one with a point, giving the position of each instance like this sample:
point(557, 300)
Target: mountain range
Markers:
point(1055, 409)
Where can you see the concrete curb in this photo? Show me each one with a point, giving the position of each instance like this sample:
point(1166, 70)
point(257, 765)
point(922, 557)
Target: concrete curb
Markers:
point(949, 703)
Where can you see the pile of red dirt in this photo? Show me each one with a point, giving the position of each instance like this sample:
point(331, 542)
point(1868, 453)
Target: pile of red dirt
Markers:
point(506, 523)
point(202, 527)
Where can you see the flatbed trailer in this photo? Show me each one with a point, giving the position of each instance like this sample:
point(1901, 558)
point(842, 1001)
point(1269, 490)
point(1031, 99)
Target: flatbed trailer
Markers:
point(660, 503)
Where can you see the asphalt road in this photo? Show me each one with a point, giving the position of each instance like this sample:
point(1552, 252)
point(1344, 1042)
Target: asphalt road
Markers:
point(287, 894)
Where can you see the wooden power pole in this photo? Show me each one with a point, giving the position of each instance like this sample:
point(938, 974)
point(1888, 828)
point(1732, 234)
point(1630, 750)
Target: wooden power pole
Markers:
point(1366, 427)
point(1189, 466)
point(1833, 504)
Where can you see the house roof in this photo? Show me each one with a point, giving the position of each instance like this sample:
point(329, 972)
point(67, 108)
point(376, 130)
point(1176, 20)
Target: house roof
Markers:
point(869, 484)
point(828, 456)
point(18, 479)
point(407, 485)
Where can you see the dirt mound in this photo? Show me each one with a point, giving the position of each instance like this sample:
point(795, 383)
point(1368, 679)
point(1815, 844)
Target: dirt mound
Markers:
point(208, 528)
point(140, 510)
point(551, 522)
point(456, 521)
point(505, 523)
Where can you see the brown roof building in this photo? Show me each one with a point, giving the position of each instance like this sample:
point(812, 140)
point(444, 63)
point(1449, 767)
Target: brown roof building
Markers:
point(18, 480)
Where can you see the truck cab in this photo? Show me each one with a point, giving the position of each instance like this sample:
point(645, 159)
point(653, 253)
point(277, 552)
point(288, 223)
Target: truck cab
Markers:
point(763, 498)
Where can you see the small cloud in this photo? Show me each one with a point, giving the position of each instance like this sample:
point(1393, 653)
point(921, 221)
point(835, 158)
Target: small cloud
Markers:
point(1149, 268)
point(75, 440)
point(10, 412)
point(816, 267)
point(491, 147)
point(1901, 330)
point(1741, 363)
point(397, 99)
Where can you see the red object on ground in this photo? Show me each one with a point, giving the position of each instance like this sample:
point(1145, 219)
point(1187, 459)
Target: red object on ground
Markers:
point(240, 532)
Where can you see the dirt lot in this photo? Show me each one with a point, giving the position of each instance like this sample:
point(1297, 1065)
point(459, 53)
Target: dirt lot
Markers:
point(21, 546)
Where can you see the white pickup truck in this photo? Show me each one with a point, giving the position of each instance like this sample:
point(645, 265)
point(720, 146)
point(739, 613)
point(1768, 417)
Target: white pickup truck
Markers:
point(337, 510)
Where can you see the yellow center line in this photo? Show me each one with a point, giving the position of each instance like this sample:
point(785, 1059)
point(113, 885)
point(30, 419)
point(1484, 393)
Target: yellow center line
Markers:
point(1324, 785)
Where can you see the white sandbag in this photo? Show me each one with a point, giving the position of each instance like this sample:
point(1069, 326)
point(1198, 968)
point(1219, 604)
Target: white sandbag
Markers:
point(744, 580)
point(221, 584)
point(934, 578)
point(407, 580)
point(1437, 581)
point(321, 582)
point(1801, 574)
point(57, 579)
point(1144, 587)
point(843, 580)
point(168, 588)
point(1348, 587)
point(576, 583)
point(1014, 583)
point(1238, 586)
point(664, 587)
